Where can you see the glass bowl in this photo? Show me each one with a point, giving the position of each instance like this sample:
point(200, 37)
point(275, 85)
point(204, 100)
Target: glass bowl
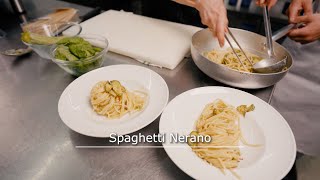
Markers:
point(52, 30)
point(79, 67)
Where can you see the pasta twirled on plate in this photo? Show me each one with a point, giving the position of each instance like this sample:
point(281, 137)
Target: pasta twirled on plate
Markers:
point(111, 99)
point(220, 121)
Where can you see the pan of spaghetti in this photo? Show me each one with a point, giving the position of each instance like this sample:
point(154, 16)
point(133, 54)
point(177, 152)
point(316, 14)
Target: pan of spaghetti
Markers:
point(221, 63)
point(249, 139)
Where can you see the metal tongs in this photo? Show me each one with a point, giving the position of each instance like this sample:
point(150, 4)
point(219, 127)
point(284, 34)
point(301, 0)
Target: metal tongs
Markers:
point(234, 51)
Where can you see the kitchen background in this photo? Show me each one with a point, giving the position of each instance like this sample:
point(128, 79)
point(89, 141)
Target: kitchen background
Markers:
point(242, 14)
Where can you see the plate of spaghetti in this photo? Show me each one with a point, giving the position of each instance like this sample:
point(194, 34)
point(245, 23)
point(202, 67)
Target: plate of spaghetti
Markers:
point(249, 139)
point(118, 99)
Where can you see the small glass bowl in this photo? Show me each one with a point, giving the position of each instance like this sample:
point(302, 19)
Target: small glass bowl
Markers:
point(52, 30)
point(79, 67)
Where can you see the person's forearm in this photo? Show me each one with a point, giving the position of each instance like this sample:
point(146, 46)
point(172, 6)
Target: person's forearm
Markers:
point(213, 14)
point(190, 3)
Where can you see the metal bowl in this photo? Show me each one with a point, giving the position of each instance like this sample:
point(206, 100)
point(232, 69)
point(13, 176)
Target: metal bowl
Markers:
point(202, 41)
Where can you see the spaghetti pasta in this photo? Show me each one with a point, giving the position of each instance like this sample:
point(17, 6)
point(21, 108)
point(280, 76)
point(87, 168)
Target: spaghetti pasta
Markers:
point(220, 121)
point(229, 59)
point(113, 100)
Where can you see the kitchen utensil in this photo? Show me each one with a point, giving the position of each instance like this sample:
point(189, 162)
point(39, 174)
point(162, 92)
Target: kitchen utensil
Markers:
point(76, 111)
point(203, 41)
point(264, 125)
point(234, 51)
point(17, 52)
point(272, 63)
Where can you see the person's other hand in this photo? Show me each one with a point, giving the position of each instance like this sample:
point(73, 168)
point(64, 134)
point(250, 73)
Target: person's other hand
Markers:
point(310, 32)
point(268, 3)
point(214, 15)
point(296, 6)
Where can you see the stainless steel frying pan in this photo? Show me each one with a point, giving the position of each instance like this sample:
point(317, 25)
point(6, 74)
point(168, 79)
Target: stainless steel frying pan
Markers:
point(202, 41)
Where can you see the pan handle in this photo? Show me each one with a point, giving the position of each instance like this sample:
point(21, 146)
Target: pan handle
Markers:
point(284, 31)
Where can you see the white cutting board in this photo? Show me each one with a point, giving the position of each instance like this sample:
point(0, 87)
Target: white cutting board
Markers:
point(151, 41)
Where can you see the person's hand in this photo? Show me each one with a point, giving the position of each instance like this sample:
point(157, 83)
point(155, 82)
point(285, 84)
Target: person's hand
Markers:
point(296, 6)
point(268, 3)
point(310, 32)
point(214, 15)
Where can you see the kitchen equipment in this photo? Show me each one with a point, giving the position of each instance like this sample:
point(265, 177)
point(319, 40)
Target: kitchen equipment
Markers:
point(51, 30)
point(17, 6)
point(76, 111)
point(264, 126)
point(272, 63)
point(202, 41)
point(79, 67)
point(234, 51)
point(148, 40)
point(58, 16)
point(17, 52)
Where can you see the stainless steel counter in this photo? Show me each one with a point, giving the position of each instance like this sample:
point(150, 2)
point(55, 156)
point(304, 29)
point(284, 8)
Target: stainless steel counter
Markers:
point(35, 144)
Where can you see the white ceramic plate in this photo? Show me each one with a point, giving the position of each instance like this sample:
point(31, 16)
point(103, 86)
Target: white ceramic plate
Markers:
point(264, 126)
point(75, 109)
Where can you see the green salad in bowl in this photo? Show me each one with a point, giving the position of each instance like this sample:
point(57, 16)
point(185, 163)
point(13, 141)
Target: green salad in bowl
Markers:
point(80, 54)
